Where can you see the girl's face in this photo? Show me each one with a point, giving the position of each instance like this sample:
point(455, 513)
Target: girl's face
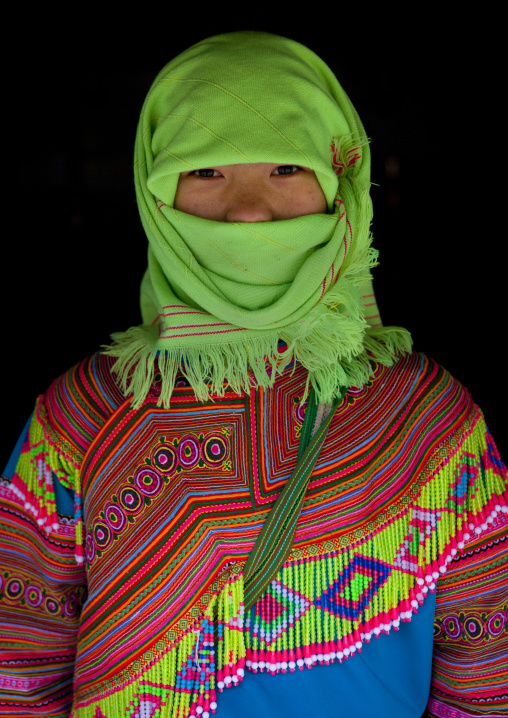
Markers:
point(253, 192)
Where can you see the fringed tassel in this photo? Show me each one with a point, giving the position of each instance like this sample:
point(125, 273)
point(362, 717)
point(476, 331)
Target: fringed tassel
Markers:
point(32, 481)
point(384, 343)
point(183, 681)
point(346, 153)
point(334, 343)
point(319, 609)
point(323, 608)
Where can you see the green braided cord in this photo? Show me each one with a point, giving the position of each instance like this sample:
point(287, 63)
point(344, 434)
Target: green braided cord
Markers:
point(308, 424)
point(276, 537)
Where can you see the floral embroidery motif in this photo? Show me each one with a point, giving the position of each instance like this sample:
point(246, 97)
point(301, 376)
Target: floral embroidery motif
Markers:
point(472, 627)
point(15, 589)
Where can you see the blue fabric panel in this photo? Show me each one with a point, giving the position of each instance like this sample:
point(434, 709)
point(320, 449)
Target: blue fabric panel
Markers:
point(389, 678)
point(9, 470)
point(64, 499)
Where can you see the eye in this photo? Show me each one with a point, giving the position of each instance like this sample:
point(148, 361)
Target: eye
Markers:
point(205, 173)
point(286, 170)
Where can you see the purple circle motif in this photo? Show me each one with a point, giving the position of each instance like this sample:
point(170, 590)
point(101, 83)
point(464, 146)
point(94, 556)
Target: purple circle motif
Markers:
point(496, 623)
point(71, 605)
point(164, 459)
point(90, 548)
point(51, 605)
point(14, 588)
point(188, 452)
point(130, 500)
point(115, 518)
point(148, 481)
point(300, 411)
point(215, 449)
point(474, 628)
point(102, 535)
point(452, 627)
point(33, 595)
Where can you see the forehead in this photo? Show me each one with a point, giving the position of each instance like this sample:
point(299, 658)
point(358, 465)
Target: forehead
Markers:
point(242, 98)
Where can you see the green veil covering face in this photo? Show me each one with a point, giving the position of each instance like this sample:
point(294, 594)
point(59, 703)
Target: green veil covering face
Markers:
point(218, 297)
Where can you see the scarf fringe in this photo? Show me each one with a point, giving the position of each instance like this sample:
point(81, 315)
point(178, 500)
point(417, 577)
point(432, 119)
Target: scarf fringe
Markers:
point(333, 342)
point(336, 353)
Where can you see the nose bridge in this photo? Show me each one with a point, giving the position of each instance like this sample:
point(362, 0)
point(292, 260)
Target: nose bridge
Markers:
point(249, 200)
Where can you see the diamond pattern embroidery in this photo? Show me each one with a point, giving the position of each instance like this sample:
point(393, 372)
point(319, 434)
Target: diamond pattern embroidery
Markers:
point(350, 594)
point(347, 596)
point(423, 523)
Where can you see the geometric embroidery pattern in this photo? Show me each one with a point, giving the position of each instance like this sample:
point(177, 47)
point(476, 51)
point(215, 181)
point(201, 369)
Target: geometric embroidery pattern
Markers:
point(350, 594)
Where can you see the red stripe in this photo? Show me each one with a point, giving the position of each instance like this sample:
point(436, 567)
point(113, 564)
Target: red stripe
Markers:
point(198, 334)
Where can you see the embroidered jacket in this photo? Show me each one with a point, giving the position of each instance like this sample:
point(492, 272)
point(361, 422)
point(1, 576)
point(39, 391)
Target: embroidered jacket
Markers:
point(408, 495)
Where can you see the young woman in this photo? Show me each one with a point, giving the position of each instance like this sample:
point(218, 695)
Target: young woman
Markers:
point(260, 476)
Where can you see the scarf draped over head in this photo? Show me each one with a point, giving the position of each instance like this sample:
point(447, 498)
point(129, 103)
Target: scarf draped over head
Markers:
point(219, 298)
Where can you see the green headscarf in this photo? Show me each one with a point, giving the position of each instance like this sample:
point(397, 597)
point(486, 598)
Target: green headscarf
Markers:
point(218, 297)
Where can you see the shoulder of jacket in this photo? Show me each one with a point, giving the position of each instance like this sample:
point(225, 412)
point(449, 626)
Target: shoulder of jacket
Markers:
point(422, 373)
point(80, 401)
point(421, 397)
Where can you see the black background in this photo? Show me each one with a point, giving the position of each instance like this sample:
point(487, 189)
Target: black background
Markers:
point(74, 250)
